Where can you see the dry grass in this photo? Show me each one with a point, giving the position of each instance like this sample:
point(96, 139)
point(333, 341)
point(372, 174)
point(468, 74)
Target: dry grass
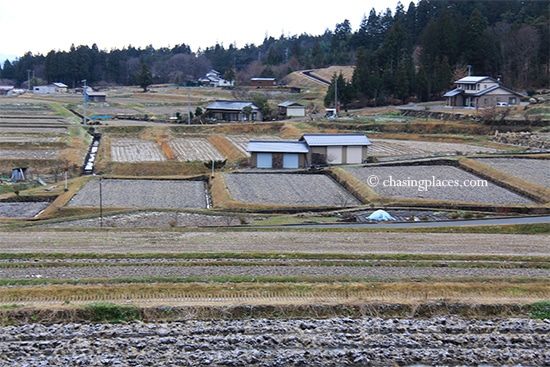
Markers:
point(286, 293)
point(165, 147)
point(225, 147)
point(354, 185)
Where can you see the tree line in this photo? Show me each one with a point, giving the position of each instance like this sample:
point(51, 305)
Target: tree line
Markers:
point(400, 55)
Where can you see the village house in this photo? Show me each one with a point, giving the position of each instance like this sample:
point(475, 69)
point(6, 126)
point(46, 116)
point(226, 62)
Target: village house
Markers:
point(309, 150)
point(480, 92)
point(233, 111)
point(213, 79)
point(289, 109)
point(50, 88)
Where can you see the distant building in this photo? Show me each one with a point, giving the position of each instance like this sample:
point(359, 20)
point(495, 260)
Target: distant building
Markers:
point(309, 150)
point(97, 97)
point(50, 88)
point(291, 109)
point(5, 89)
point(233, 111)
point(213, 79)
point(263, 82)
point(480, 92)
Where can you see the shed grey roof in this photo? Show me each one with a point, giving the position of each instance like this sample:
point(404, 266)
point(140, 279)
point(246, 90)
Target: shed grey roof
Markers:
point(335, 139)
point(266, 146)
point(231, 105)
point(290, 103)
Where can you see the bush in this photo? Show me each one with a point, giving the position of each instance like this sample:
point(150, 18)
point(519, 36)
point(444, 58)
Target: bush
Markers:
point(111, 312)
point(540, 310)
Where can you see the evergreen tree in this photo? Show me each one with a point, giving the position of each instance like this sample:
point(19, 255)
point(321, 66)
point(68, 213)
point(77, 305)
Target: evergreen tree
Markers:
point(144, 78)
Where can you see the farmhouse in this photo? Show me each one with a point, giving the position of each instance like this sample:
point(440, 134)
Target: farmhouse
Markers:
point(213, 79)
point(233, 111)
point(310, 150)
point(336, 148)
point(278, 154)
point(50, 88)
point(480, 92)
point(263, 82)
point(291, 109)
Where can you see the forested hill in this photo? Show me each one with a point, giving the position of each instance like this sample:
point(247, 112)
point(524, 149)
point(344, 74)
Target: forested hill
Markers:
point(413, 51)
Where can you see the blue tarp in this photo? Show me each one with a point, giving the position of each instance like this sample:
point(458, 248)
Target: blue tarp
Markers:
point(380, 215)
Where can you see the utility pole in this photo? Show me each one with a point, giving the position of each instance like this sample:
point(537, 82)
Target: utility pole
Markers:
point(85, 93)
point(188, 105)
point(335, 97)
point(29, 79)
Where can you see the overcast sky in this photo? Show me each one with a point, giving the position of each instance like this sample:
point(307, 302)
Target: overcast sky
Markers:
point(40, 26)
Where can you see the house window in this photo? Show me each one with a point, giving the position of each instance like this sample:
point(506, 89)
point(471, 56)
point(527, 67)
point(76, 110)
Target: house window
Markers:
point(478, 86)
point(484, 86)
point(512, 100)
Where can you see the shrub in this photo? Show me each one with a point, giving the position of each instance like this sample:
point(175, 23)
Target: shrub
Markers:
point(540, 310)
point(111, 312)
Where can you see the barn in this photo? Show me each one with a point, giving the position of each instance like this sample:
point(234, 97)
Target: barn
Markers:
point(263, 82)
point(277, 154)
point(50, 88)
point(336, 148)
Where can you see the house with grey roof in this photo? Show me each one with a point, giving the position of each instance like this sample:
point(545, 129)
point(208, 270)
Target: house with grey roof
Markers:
point(309, 150)
point(213, 79)
point(233, 111)
point(480, 92)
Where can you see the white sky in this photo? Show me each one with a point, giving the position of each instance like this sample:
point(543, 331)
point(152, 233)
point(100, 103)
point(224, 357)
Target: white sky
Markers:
point(40, 26)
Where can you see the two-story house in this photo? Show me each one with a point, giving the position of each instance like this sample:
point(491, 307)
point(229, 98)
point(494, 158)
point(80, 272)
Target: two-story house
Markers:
point(480, 92)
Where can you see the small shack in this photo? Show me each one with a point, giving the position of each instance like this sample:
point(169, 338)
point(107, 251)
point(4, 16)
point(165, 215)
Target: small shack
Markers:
point(291, 109)
point(97, 97)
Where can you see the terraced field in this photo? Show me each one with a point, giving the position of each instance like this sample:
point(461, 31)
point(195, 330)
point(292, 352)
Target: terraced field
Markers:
point(533, 170)
point(288, 189)
point(445, 183)
point(191, 149)
point(392, 148)
point(132, 150)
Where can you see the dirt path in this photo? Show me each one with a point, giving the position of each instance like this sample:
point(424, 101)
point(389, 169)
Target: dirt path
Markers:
point(111, 241)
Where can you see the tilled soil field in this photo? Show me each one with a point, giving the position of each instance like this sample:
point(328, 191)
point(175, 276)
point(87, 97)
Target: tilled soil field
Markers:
point(167, 194)
point(440, 341)
point(289, 189)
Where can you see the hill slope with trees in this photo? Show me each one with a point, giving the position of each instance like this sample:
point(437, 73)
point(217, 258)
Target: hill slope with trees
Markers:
point(401, 55)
